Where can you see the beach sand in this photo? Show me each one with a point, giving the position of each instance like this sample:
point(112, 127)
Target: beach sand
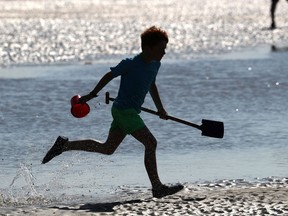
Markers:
point(213, 199)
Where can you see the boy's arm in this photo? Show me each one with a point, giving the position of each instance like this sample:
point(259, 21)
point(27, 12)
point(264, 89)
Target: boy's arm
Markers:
point(101, 84)
point(158, 103)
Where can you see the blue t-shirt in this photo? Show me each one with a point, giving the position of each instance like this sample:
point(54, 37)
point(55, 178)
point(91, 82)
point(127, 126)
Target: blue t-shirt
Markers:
point(136, 79)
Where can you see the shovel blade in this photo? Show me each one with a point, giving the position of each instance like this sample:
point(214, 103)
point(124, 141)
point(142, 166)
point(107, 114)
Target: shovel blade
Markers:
point(212, 128)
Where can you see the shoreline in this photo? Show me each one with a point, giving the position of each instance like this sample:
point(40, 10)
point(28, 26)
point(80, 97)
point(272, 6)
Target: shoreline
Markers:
point(271, 199)
point(258, 51)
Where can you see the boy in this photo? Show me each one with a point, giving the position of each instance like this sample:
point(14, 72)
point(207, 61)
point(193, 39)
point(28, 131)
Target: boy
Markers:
point(138, 75)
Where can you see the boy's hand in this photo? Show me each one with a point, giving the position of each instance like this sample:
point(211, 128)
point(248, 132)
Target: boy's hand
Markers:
point(85, 98)
point(163, 114)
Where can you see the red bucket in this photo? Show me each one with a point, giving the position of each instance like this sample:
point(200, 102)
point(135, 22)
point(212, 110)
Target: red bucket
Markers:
point(79, 110)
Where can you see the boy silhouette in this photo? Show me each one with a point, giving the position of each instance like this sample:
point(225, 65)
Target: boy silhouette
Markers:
point(138, 77)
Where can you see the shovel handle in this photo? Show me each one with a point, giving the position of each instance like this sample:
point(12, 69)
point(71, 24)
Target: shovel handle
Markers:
point(209, 128)
point(108, 98)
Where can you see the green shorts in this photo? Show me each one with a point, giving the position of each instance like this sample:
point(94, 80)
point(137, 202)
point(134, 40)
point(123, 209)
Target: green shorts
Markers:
point(127, 120)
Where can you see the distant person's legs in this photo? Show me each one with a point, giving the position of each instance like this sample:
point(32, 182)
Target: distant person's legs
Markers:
point(272, 13)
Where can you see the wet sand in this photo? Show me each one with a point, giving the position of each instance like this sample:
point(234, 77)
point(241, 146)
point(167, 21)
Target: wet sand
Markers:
point(265, 199)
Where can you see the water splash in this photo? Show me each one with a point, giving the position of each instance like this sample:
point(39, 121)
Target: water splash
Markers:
point(28, 193)
point(25, 171)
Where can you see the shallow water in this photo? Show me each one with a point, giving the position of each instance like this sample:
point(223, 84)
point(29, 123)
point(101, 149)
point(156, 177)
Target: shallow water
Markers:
point(248, 95)
point(245, 88)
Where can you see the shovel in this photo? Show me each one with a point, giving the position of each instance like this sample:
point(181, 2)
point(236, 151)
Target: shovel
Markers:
point(209, 128)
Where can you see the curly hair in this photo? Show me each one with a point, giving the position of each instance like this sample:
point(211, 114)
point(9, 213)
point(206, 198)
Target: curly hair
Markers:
point(152, 36)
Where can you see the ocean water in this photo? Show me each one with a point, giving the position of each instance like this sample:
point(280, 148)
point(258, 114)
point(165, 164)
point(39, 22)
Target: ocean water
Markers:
point(221, 68)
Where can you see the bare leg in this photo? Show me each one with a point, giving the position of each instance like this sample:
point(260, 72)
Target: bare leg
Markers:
point(272, 13)
point(148, 140)
point(114, 139)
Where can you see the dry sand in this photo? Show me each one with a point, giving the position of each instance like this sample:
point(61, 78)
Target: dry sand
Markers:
point(269, 199)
